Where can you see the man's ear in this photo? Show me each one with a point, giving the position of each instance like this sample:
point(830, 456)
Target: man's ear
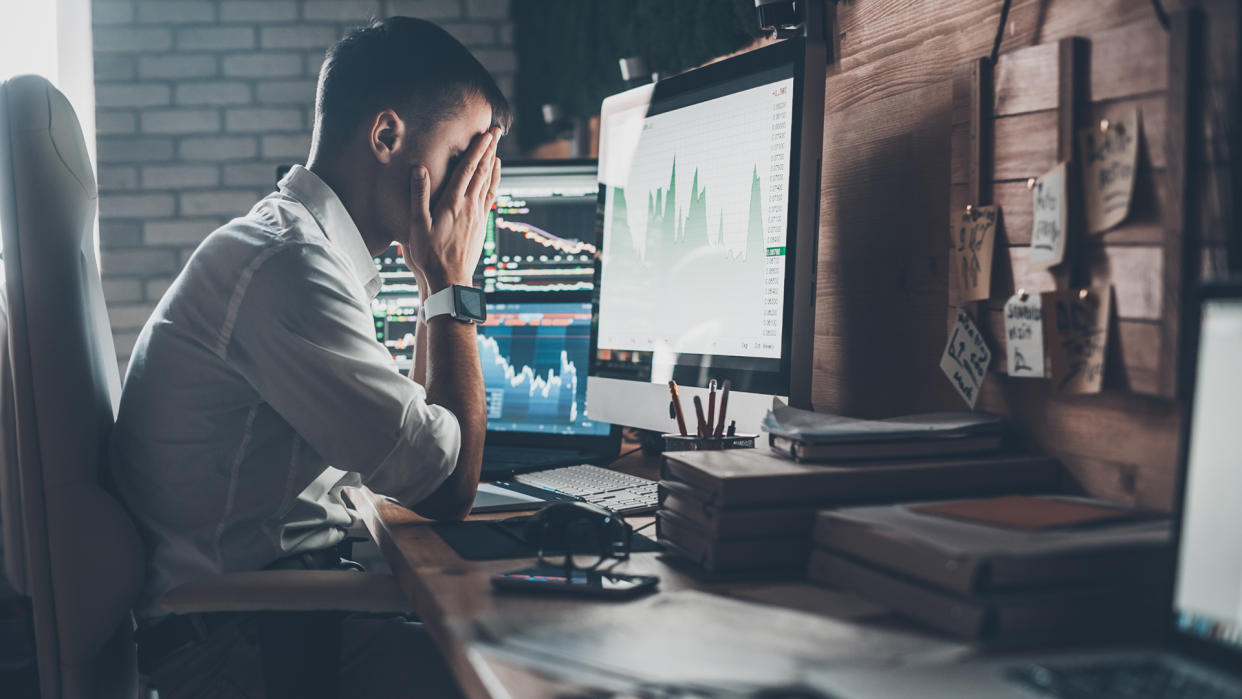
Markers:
point(386, 135)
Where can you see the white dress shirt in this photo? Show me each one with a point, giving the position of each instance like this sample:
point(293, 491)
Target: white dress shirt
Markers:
point(257, 373)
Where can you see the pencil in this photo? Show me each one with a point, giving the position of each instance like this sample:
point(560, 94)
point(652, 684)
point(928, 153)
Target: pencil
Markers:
point(698, 409)
point(711, 405)
point(681, 418)
point(724, 407)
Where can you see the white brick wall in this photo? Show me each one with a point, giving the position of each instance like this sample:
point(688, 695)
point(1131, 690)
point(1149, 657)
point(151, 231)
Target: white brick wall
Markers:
point(199, 101)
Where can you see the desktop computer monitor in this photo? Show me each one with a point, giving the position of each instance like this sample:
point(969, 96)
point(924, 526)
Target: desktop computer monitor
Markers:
point(541, 234)
point(540, 243)
point(708, 186)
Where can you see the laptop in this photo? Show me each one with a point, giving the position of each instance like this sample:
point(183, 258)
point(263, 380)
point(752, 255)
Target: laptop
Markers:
point(1200, 654)
point(535, 355)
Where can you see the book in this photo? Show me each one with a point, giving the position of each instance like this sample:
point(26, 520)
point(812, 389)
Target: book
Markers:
point(812, 427)
point(967, 557)
point(753, 477)
point(883, 449)
point(771, 553)
point(1116, 611)
point(737, 523)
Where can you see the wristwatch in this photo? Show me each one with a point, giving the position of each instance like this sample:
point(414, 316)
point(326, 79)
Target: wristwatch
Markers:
point(464, 303)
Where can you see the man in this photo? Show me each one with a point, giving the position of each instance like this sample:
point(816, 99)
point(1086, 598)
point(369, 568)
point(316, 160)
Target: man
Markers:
point(257, 389)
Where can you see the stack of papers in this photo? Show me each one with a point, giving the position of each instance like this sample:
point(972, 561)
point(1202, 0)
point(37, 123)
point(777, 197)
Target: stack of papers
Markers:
point(819, 428)
point(699, 644)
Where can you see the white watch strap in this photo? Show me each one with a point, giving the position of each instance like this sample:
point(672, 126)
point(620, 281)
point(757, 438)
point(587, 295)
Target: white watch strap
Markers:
point(438, 304)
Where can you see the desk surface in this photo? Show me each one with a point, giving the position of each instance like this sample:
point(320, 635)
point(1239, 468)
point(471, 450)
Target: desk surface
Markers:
point(448, 591)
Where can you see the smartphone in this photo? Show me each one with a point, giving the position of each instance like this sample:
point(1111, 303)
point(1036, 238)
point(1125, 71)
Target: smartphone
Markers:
point(587, 583)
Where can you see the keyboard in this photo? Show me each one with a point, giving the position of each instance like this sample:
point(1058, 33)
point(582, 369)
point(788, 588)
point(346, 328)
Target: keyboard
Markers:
point(619, 492)
point(1132, 679)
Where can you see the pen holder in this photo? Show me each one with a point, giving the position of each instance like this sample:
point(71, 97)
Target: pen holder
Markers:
point(679, 442)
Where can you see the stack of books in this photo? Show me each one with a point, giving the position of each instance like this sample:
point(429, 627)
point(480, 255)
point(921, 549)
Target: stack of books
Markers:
point(1009, 571)
point(751, 511)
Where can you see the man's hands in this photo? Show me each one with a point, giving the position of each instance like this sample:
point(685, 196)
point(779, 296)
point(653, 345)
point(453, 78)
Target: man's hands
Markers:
point(444, 244)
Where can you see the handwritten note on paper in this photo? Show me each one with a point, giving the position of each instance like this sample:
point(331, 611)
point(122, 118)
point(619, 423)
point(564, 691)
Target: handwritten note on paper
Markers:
point(966, 358)
point(1110, 161)
point(1024, 336)
point(1051, 217)
point(1076, 323)
point(972, 248)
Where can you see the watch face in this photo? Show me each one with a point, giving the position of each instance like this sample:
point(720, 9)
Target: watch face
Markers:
point(470, 304)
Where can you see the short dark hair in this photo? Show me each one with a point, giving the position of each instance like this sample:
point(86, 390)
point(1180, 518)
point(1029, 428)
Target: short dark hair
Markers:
point(409, 65)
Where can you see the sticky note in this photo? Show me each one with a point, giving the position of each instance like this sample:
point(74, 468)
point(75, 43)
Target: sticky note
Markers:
point(1110, 160)
point(1024, 336)
point(972, 249)
point(966, 358)
point(1076, 325)
point(1049, 198)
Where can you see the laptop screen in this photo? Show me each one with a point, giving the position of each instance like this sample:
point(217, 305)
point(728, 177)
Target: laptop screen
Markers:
point(534, 356)
point(1207, 599)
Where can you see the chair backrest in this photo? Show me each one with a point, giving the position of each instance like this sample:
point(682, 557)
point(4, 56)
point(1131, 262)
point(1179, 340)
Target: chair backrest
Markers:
point(70, 545)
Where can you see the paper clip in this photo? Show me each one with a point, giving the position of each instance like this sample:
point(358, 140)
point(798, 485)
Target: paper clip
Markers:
point(1022, 294)
point(1083, 294)
point(1030, 183)
point(1104, 125)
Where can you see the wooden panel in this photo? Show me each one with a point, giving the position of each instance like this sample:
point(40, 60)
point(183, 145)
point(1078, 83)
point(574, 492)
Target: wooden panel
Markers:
point(1138, 432)
point(1144, 226)
point(1128, 60)
point(1181, 267)
point(979, 169)
point(1026, 80)
point(892, 46)
point(1134, 352)
point(1130, 269)
point(1025, 145)
point(883, 256)
point(1116, 444)
point(959, 143)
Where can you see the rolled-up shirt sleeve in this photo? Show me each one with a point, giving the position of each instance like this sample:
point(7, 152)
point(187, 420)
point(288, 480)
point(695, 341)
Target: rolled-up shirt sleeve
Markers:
point(305, 340)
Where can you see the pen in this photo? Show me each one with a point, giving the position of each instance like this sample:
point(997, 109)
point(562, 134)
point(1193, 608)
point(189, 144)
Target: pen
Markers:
point(724, 408)
point(711, 406)
point(681, 419)
point(698, 409)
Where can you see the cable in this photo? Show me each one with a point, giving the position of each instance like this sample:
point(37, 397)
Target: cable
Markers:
point(1000, 29)
point(1161, 15)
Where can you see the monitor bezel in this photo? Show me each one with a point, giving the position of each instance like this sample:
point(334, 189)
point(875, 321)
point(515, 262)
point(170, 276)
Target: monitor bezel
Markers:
point(806, 60)
point(1216, 654)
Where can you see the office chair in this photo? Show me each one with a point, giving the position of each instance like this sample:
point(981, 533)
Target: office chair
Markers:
point(69, 544)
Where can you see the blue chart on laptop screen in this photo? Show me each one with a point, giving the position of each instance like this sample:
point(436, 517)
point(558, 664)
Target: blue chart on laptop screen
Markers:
point(534, 358)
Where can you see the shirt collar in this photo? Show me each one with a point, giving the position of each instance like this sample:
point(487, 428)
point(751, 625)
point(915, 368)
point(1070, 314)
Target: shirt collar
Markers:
point(338, 226)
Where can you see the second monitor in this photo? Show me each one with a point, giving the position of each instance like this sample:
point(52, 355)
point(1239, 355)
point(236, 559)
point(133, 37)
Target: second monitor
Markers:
point(708, 184)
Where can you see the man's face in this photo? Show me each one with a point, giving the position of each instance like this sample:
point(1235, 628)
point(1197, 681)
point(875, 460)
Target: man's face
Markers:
point(439, 150)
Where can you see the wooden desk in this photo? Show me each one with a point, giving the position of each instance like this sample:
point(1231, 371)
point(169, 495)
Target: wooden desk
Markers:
point(448, 591)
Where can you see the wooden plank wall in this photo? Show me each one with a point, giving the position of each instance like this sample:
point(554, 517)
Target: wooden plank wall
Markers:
point(889, 185)
point(1024, 116)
